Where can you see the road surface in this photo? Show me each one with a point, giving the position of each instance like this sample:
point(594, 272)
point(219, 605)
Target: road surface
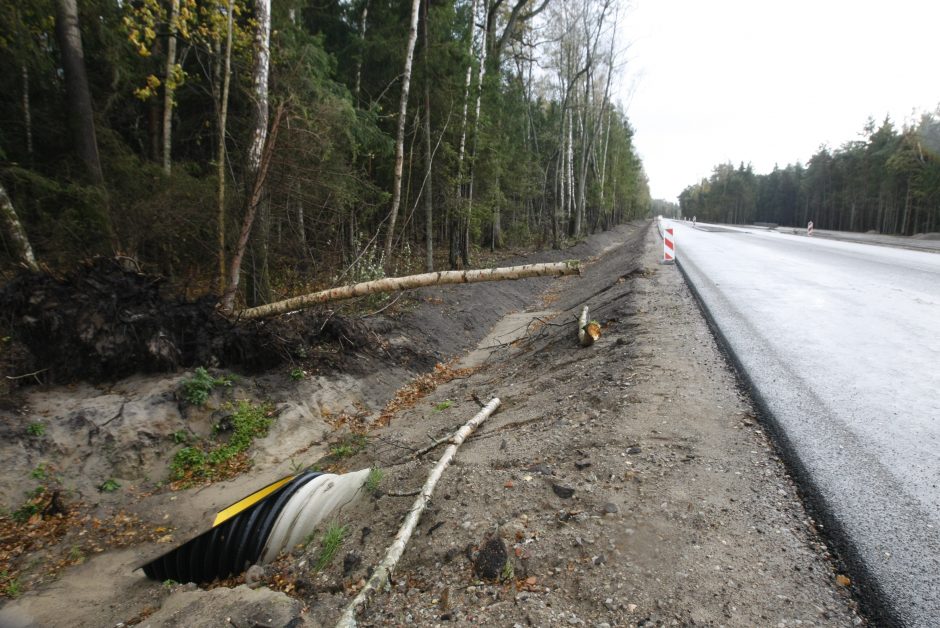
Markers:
point(841, 344)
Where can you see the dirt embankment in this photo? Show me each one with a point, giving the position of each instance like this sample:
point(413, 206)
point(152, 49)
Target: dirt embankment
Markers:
point(628, 483)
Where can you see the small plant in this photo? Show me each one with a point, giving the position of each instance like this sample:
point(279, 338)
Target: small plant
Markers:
point(180, 437)
point(212, 460)
point(196, 390)
point(109, 486)
point(11, 586)
point(349, 446)
point(443, 405)
point(169, 582)
point(329, 545)
point(374, 479)
point(508, 572)
point(36, 429)
point(40, 473)
point(297, 374)
point(26, 512)
point(76, 555)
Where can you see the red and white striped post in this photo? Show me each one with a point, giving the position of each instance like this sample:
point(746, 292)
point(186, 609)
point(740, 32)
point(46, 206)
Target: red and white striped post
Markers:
point(669, 246)
point(809, 228)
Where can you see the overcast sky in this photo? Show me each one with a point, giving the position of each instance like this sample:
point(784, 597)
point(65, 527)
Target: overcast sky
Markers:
point(709, 81)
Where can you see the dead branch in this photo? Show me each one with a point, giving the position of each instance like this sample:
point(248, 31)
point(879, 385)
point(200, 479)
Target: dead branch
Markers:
point(382, 572)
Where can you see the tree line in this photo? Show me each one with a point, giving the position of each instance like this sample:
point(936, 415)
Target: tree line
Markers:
point(888, 182)
point(308, 140)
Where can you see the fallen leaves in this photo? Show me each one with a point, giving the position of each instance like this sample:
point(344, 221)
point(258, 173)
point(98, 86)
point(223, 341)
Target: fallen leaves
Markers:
point(420, 387)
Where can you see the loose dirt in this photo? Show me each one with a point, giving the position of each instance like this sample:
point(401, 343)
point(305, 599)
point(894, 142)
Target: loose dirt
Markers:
point(628, 483)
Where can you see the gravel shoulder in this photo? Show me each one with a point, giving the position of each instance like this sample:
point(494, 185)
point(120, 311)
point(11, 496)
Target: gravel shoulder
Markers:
point(680, 511)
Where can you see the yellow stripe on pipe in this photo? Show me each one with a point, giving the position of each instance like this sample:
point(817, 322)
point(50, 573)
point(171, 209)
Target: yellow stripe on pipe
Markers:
point(248, 502)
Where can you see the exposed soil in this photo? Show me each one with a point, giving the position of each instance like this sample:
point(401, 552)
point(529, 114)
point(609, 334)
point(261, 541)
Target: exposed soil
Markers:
point(628, 483)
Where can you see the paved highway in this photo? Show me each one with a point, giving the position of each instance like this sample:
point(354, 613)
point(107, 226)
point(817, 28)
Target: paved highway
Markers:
point(841, 344)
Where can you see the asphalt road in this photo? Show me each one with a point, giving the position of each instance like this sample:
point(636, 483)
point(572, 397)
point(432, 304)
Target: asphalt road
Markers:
point(841, 344)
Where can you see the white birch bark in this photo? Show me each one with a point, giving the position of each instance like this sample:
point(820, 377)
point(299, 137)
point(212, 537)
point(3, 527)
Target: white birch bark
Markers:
point(259, 84)
point(16, 232)
point(391, 284)
point(384, 569)
point(400, 137)
point(168, 86)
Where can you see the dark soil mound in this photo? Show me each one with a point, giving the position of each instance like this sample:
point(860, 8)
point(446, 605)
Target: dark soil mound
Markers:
point(104, 322)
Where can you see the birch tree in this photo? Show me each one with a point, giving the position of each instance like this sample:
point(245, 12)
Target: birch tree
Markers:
point(16, 232)
point(258, 159)
point(400, 137)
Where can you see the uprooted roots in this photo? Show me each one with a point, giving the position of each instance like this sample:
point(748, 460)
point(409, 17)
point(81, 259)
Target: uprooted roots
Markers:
point(104, 322)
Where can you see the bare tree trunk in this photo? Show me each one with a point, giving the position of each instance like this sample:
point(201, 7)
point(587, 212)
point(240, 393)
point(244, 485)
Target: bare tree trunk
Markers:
point(362, 38)
point(391, 284)
point(16, 231)
point(27, 113)
point(169, 85)
point(429, 157)
point(465, 240)
point(259, 151)
point(258, 284)
point(223, 121)
point(259, 85)
point(227, 303)
point(400, 138)
point(81, 115)
point(455, 226)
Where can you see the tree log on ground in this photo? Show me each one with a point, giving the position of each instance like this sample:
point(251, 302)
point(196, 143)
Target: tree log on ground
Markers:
point(382, 572)
point(391, 284)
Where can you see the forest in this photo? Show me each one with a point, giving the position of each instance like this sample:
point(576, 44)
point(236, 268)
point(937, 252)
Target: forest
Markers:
point(253, 150)
point(887, 182)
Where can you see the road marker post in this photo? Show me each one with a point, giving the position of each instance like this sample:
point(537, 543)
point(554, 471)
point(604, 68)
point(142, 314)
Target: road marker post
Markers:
point(669, 246)
point(809, 228)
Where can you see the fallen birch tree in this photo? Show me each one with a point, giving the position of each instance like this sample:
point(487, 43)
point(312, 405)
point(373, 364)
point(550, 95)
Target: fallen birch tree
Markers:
point(391, 284)
point(382, 572)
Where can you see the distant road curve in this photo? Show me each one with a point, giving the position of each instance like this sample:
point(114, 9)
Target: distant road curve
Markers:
point(841, 344)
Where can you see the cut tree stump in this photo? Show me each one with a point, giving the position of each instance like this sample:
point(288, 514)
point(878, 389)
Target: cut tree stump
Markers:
point(588, 331)
point(391, 284)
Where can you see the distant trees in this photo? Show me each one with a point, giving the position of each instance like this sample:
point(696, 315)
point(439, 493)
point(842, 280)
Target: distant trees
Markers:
point(503, 133)
point(887, 182)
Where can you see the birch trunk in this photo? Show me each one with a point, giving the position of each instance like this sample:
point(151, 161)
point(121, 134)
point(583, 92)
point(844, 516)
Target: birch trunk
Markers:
point(384, 569)
point(465, 239)
point(259, 151)
point(362, 38)
point(400, 137)
point(81, 115)
point(16, 232)
point(455, 227)
point(169, 85)
point(391, 284)
point(429, 157)
point(223, 122)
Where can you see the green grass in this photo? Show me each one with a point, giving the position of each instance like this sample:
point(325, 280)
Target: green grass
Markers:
point(443, 405)
point(11, 587)
point(349, 446)
point(207, 460)
point(36, 429)
point(197, 389)
point(374, 479)
point(330, 543)
point(297, 374)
